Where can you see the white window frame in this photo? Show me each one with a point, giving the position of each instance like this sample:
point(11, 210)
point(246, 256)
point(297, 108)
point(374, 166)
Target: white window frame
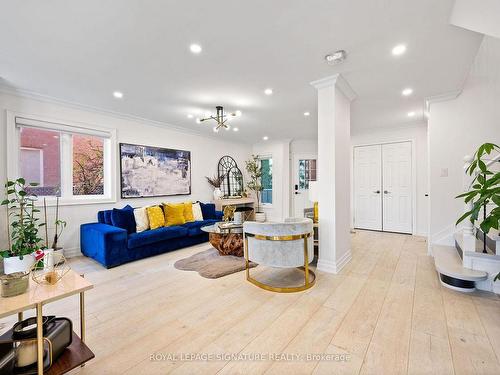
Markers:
point(268, 205)
point(65, 127)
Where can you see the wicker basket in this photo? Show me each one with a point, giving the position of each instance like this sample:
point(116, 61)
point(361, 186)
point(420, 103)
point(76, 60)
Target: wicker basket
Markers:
point(14, 284)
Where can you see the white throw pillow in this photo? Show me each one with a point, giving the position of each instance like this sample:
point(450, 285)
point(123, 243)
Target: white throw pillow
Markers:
point(141, 219)
point(197, 214)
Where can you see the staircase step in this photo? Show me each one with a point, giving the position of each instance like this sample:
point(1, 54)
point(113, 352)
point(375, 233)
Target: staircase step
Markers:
point(451, 271)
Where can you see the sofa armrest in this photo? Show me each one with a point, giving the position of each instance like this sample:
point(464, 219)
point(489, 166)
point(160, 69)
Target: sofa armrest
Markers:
point(219, 215)
point(102, 242)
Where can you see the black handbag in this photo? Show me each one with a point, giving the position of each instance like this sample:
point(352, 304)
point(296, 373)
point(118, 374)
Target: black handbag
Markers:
point(57, 334)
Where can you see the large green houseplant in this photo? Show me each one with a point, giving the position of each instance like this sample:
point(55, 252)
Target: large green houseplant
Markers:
point(22, 225)
point(254, 170)
point(485, 190)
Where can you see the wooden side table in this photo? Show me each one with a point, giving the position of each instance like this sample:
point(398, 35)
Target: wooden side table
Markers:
point(39, 295)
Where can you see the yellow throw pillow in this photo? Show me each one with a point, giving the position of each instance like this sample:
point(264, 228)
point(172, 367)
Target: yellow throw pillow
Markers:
point(174, 214)
point(155, 216)
point(188, 212)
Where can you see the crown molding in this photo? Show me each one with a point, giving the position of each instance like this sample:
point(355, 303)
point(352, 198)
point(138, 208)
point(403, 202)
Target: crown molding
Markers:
point(338, 81)
point(9, 90)
point(450, 95)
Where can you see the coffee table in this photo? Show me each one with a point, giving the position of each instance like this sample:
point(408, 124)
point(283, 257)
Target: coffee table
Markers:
point(228, 241)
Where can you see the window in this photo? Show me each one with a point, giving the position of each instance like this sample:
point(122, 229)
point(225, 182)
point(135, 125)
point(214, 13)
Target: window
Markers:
point(307, 172)
point(70, 162)
point(40, 160)
point(88, 165)
point(266, 165)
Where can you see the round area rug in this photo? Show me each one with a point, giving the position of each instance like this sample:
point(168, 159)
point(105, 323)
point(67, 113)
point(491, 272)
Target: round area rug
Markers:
point(211, 265)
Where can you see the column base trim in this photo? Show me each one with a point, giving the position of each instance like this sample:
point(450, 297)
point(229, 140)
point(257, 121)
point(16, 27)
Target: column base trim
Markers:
point(329, 266)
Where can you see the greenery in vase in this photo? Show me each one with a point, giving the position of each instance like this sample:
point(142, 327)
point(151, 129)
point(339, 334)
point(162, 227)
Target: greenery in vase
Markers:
point(22, 220)
point(255, 173)
point(485, 190)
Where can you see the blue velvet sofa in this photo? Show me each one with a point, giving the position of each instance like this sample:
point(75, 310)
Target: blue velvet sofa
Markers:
point(111, 245)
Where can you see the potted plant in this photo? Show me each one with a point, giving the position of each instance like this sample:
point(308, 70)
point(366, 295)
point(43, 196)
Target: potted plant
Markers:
point(22, 227)
point(216, 182)
point(485, 191)
point(254, 170)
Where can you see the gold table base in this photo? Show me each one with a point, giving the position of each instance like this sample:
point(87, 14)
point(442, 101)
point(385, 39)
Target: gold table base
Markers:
point(308, 280)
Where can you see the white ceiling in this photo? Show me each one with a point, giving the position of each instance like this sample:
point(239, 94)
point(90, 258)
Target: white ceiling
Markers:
point(82, 51)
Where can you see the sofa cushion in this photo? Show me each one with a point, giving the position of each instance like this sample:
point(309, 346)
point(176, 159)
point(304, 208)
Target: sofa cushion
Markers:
point(156, 217)
point(107, 217)
point(194, 227)
point(155, 235)
point(174, 214)
point(124, 218)
point(208, 210)
point(188, 212)
point(141, 219)
point(197, 214)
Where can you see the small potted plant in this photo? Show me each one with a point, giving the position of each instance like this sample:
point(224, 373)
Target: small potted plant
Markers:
point(255, 173)
point(216, 182)
point(59, 226)
point(22, 226)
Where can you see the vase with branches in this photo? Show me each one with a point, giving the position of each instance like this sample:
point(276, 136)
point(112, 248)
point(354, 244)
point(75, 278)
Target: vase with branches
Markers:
point(59, 226)
point(485, 190)
point(216, 182)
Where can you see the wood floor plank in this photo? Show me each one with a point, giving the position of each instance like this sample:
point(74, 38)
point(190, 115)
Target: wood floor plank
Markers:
point(385, 313)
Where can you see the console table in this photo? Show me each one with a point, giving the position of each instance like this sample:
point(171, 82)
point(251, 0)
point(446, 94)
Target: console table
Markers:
point(39, 295)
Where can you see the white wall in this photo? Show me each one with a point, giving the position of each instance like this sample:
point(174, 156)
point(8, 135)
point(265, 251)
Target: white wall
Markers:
point(418, 134)
point(457, 128)
point(280, 151)
point(205, 154)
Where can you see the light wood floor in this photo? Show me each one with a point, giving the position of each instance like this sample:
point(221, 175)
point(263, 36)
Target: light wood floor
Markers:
point(386, 312)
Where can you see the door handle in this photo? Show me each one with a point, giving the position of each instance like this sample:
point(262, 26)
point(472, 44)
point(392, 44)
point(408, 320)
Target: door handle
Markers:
point(377, 191)
point(386, 192)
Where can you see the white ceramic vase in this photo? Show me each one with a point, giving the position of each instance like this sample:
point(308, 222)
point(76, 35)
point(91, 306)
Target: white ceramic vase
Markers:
point(16, 264)
point(217, 193)
point(260, 217)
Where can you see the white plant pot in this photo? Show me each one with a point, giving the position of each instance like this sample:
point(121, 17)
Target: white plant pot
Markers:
point(217, 193)
point(260, 217)
point(16, 264)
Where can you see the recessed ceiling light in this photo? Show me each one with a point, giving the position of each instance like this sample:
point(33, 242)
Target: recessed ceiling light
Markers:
point(195, 48)
point(399, 49)
point(411, 114)
point(268, 91)
point(306, 114)
point(198, 121)
point(190, 116)
point(118, 94)
point(407, 92)
point(216, 130)
point(265, 138)
point(235, 129)
point(237, 113)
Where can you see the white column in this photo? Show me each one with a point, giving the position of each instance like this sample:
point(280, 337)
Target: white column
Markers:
point(334, 140)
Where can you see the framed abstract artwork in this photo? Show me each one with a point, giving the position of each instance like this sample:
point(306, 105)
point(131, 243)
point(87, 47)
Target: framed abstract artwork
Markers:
point(147, 171)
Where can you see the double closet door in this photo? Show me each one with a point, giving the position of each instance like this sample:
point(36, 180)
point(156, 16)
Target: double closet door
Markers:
point(383, 187)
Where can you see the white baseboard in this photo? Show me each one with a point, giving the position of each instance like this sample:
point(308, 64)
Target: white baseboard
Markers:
point(72, 252)
point(329, 266)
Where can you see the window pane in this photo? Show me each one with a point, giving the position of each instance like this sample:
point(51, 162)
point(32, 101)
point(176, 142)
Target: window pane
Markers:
point(88, 165)
point(40, 160)
point(267, 180)
point(307, 172)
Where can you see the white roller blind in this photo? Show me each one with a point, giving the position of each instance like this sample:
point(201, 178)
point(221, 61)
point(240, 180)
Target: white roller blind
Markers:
point(31, 123)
